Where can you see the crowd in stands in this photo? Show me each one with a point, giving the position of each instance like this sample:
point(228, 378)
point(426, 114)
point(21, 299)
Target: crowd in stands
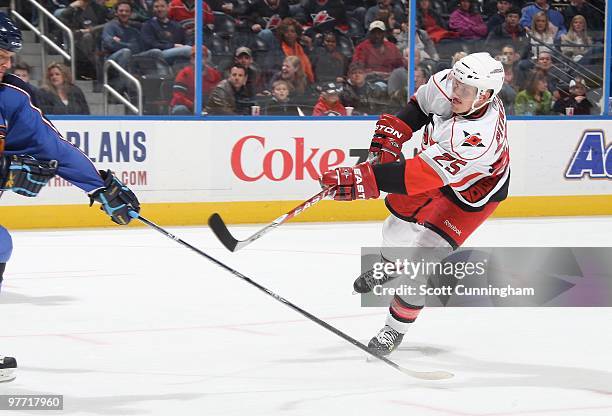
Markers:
point(327, 57)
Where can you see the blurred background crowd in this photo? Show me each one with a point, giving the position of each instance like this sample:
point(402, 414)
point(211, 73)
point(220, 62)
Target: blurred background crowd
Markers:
point(319, 57)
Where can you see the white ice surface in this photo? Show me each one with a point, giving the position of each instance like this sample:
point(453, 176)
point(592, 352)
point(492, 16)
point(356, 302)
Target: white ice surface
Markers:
point(127, 322)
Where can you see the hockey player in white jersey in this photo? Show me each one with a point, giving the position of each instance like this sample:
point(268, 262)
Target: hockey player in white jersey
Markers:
point(439, 197)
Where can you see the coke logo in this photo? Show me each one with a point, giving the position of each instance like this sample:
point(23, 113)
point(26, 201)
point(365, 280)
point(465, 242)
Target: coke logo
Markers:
point(280, 164)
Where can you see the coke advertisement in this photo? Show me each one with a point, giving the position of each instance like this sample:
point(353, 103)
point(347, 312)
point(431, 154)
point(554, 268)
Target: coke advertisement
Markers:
point(226, 161)
point(279, 164)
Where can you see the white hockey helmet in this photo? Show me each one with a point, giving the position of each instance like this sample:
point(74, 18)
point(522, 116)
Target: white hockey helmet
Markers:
point(482, 71)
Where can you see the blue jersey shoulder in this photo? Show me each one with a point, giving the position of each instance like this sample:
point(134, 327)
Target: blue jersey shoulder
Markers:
point(21, 84)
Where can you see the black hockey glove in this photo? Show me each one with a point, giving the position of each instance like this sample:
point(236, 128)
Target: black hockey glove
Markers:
point(24, 174)
point(117, 199)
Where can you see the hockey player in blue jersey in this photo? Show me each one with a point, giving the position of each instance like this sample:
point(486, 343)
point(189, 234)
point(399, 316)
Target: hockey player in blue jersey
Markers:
point(32, 151)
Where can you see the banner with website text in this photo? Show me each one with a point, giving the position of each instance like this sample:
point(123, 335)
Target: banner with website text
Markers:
point(255, 169)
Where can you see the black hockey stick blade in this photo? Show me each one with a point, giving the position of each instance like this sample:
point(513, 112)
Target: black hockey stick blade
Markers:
point(218, 227)
point(216, 224)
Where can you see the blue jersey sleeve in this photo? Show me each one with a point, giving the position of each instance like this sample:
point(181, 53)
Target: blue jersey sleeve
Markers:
point(28, 132)
point(74, 165)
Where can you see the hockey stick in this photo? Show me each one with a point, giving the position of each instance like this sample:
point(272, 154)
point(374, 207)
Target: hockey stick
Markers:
point(423, 375)
point(217, 225)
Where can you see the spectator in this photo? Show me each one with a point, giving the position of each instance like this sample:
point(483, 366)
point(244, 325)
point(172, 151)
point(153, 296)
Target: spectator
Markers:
point(387, 5)
point(595, 19)
point(328, 63)
point(542, 32)
point(497, 19)
point(511, 55)
point(289, 32)
point(164, 34)
point(429, 65)
point(388, 18)
point(403, 37)
point(57, 6)
point(576, 42)
point(334, 8)
point(577, 99)
point(24, 71)
point(183, 90)
point(467, 22)
point(141, 12)
point(254, 84)
point(544, 66)
point(535, 99)
point(183, 12)
point(85, 18)
point(398, 80)
point(397, 85)
point(227, 95)
point(359, 94)
point(433, 23)
point(510, 59)
point(457, 56)
point(508, 32)
point(261, 11)
point(421, 76)
point(121, 40)
point(378, 55)
point(507, 94)
point(329, 103)
point(59, 95)
point(422, 43)
point(280, 103)
point(293, 73)
point(232, 8)
point(529, 12)
point(356, 9)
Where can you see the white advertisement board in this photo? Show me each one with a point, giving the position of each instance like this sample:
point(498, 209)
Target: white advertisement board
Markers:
point(217, 161)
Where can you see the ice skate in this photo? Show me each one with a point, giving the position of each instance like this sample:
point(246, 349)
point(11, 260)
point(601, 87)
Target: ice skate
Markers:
point(386, 341)
point(367, 281)
point(8, 366)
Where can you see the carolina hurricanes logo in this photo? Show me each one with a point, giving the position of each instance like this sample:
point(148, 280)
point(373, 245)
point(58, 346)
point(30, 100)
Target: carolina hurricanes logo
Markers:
point(272, 22)
point(332, 113)
point(472, 140)
point(321, 17)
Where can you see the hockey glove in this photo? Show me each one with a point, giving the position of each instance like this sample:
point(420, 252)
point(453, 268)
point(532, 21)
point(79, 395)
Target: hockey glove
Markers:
point(390, 134)
point(353, 183)
point(24, 174)
point(117, 199)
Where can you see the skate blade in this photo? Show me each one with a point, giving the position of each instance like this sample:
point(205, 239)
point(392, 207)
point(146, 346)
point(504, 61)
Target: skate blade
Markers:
point(7, 374)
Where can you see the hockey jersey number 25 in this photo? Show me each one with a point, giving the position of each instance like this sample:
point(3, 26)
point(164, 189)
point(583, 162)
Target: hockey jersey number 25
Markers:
point(467, 155)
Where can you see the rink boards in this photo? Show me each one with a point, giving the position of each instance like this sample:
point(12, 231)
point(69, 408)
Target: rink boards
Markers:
point(252, 171)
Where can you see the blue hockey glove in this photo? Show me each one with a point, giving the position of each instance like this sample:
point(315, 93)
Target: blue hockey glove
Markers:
point(117, 199)
point(24, 174)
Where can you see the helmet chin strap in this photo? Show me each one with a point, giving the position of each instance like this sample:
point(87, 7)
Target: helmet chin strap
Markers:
point(474, 109)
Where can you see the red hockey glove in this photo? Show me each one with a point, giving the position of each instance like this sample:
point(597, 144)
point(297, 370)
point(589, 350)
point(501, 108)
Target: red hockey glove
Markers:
point(353, 183)
point(390, 134)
